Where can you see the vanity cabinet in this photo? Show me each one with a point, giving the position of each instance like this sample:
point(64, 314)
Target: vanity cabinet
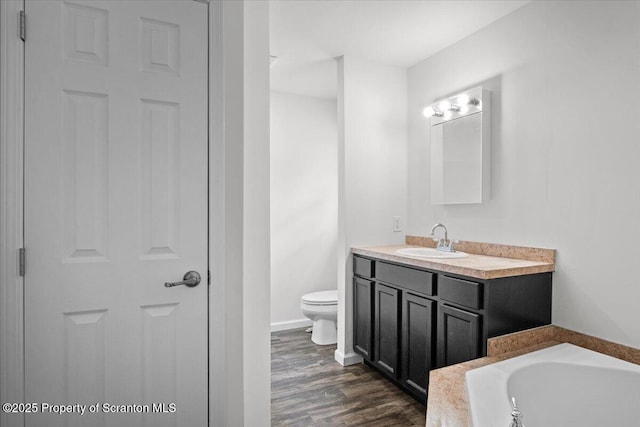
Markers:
point(416, 348)
point(363, 317)
point(458, 335)
point(386, 328)
point(459, 328)
point(409, 320)
point(403, 318)
point(363, 270)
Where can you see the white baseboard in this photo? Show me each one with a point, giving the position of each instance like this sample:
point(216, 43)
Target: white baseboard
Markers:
point(291, 324)
point(350, 358)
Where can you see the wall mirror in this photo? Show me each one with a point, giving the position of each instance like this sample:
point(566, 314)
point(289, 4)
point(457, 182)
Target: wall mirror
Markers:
point(460, 148)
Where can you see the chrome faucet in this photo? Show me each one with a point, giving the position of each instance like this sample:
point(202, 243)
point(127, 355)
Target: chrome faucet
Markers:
point(445, 244)
point(516, 415)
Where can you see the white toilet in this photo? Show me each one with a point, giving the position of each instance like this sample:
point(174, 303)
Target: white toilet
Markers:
point(322, 308)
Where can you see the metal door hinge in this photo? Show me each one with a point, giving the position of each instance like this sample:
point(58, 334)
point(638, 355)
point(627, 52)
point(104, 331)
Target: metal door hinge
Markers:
point(22, 28)
point(22, 263)
point(209, 277)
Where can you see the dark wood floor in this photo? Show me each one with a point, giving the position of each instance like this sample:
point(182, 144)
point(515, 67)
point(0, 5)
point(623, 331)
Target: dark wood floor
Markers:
point(309, 388)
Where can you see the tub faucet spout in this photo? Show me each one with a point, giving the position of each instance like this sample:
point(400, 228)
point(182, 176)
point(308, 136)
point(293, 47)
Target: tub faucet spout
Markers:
point(516, 415)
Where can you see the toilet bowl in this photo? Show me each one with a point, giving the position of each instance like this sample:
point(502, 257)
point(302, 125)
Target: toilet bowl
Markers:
point(322, 308)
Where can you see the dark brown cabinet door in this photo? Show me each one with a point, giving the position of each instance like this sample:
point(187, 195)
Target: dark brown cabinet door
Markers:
point(386, 348)
point(458, 335)
point(417, 345)
point(362, 317)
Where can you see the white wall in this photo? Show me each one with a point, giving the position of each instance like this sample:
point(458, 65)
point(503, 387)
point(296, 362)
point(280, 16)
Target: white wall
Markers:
point(565, 151)
point(240, 371)
point(372, 165)
point(304, 203)
point(226, 400)
point(256, 226)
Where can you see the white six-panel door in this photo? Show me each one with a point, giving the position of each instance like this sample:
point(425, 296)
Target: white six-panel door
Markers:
point(115, 206)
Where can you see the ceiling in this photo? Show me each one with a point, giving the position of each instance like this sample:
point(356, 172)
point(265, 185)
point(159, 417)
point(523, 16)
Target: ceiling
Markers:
point(306, 35)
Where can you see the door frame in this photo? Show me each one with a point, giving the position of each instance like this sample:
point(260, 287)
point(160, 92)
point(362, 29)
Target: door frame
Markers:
point(11, 209)
point(12, 213)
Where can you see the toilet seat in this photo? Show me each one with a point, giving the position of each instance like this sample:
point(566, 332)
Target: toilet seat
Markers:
point(321, 298)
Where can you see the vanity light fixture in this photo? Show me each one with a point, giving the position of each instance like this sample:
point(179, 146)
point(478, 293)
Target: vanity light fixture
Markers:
point(465, 100)
point(461, 104)
point(429, 111)
point(445, 105)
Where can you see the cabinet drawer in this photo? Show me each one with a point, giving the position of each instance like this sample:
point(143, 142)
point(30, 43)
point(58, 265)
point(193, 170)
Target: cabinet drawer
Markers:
point(363, 267)
point(460, 291)
point(408, 278)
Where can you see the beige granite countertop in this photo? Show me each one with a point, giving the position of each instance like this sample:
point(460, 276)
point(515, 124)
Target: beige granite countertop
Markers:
point(475, 265)
point(448, 405)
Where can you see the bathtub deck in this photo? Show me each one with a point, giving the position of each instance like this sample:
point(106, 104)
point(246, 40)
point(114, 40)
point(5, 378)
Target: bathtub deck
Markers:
point(308, 387)
point(448, 404)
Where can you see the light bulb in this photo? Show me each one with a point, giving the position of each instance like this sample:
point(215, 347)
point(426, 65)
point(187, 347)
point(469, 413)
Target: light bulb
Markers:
point(463, 99)
point(464, 109)
point(444, 106)
point(429, 112)
point(447, 115)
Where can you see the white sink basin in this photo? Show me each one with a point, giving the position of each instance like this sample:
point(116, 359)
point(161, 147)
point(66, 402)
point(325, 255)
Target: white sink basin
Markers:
point(429, 253)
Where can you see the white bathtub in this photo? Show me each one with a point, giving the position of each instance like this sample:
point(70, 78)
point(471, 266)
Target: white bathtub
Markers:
point(560, 386)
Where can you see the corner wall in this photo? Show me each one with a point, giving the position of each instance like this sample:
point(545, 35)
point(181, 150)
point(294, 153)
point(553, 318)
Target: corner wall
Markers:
point(256, 225)
point(304, 203)
point(372, 162)
point(239, 336)
point(565, 151)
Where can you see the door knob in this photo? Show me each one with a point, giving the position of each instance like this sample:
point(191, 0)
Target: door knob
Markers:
point(191, 279)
